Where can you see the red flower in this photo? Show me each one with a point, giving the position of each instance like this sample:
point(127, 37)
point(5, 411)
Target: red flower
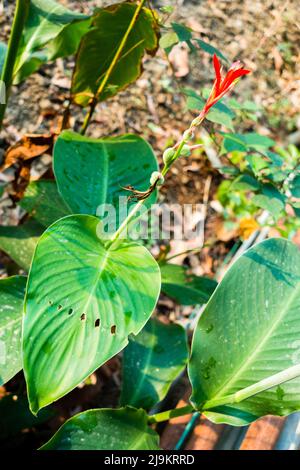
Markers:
point(223, 84)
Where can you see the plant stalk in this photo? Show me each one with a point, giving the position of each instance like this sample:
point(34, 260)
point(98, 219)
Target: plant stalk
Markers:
point(110, 69)
point(20, 16)
point(247, 392)
point(169, 414)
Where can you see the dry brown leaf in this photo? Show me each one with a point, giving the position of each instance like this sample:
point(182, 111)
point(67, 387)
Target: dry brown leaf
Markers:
point(29, 147)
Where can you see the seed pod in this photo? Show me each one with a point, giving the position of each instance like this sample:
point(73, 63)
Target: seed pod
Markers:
point(187, 135)
point(168, 155)
point(157, 178)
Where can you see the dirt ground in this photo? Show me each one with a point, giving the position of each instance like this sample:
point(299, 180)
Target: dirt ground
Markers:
point(264, 34)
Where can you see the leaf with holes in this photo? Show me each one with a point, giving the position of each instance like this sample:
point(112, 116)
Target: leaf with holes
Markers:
point(185, 288)
point(43, 203)
point(151, 362)
point(105, 429)
point(83, 300)
point(249, 331)
point(12, 290)
point(91, 173)
point(19, 241)
point(98, 64)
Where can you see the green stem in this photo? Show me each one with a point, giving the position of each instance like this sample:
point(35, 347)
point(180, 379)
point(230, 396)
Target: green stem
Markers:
point(259, 387)
point(20, 16)
point(110, 69)
point(123, 227)
point(169, 414)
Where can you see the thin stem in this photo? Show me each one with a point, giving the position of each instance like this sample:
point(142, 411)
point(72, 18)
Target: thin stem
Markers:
point(110, 69)
point(124, 224)
point(261, 386)
point(169, 414)
point(20, 16)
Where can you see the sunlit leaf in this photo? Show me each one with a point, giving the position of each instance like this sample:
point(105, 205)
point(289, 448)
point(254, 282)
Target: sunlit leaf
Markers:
point(250, 331)
point(93, 172)
point(97, 52)
point(83, 300)
point(46, 23)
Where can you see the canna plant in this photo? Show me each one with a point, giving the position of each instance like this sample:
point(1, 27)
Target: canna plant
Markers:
point(91, 292)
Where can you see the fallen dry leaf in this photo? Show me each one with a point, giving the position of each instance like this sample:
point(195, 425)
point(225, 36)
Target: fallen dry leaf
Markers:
point(29, 147)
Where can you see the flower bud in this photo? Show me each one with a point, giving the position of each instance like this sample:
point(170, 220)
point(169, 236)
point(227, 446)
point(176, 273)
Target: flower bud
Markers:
point(187, 135)
point(168, 155)
point(157, 178)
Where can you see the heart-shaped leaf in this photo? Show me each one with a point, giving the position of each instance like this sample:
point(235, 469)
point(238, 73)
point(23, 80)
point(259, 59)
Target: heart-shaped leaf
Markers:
point(83, 299)
point(151, 362)
point(249, 331)
point(12, 292)
point(105, 429)
point(93, 172)
point(185, 288)
point(98, 60)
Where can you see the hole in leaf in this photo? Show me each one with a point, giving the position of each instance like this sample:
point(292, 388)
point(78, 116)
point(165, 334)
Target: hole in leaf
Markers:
point(113, 329)
point(97, 323)
point(50, 302)
point(70, 311)
point(82, 317)
point(59, 307)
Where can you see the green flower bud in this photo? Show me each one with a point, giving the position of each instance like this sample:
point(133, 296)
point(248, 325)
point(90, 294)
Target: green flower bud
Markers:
point(185, 151)
point(168, 155)
point(157, 177)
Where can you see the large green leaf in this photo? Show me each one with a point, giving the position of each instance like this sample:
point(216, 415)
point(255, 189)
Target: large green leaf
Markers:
point(249, 331)
point(151, 362)
point(3, 49)
point(12, 291)
point(93, 172)
point(82, 301)
point(48, 24)
point(105, 429)
point(185, 288)
point(99, 46)
point(19, 241)
point(43, 202)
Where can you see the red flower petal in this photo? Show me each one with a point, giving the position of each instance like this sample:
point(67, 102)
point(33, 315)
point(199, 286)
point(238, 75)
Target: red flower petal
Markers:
point(217, 67)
